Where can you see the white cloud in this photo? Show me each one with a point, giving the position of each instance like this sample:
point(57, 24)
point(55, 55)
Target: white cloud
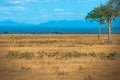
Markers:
point(64, 13)
point(12, 9)
point(44, 13)
point(58, 10)
point(15, 2)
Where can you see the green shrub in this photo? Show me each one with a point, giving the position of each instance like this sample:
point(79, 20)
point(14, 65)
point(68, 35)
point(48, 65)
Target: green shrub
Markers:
point(12, 54)
point(92, 54)
point(54, 54)
point(26, 55)
point(111, 55)
point(17, 54)
point(40, 54)
point(58, 54)
point(72, 54)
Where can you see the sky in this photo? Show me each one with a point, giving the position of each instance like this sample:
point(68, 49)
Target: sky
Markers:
point(38, 11)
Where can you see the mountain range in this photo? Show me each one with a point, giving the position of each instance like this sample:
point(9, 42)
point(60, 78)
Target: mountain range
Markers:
point(61, 26)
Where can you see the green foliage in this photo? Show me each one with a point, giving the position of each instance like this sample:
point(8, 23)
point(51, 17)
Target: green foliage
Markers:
point(17, 54)
point(59, 55)
point(54, 54)
point(96, 15)
point(5, 32)
point(115, 3)
point(58, 32)
point(92, 54)
point(111, 55)
point(12, 54)
point(75, 54)
point(71, 54)
point(40, 54)
point(26, 55)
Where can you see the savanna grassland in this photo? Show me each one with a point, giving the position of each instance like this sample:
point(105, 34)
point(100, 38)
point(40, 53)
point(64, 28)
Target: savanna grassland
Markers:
point(59, 57)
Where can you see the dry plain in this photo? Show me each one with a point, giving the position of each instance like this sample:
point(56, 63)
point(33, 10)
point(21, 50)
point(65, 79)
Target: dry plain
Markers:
point(59, 57)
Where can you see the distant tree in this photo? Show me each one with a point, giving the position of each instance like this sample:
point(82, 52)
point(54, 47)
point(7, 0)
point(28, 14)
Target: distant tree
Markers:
point(56, 32)
point(96, 15)
point(5, 32)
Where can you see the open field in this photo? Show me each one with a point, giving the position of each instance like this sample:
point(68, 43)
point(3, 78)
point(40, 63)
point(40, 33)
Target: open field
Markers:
point(59, 57)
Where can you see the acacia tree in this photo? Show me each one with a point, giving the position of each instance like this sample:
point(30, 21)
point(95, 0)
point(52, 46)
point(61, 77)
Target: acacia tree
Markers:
point(96, 15)
point(110, 13)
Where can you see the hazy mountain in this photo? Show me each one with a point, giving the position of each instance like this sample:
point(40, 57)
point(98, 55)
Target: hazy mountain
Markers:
point(69, 23)
point(63, 26)
point(10, 23)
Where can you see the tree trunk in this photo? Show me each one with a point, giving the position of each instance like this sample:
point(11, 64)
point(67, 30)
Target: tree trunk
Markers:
point(99, 29)
point(109, 31)
point(109, 34)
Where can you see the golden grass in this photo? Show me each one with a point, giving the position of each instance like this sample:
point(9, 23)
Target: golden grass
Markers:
point(28, 40)
point(55, 68)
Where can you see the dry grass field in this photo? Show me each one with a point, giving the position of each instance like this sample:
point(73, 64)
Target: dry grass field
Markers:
point(59, 57)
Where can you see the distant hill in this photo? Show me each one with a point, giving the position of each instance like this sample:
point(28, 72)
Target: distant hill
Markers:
point(13, 23)
point(69, 23)
point(62, 26)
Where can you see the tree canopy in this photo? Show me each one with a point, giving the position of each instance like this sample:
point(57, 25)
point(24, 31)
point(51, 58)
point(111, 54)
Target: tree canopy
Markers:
point(96, 15)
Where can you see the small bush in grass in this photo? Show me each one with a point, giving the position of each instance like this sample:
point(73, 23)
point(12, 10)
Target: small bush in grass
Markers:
point(26, 55)
point(84, 54)
point(72, 54)
point(75, 54)
point(17, 54)
point(40, 54)
point(13, 54)
point(92, 54)
point(111, 55)
point(54, 54)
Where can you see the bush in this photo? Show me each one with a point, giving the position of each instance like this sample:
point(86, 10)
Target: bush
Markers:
point(111, 55)
point(72, 54)
point(12, 54)
point(26, 55)
point(92, 54)
point(40, 54)
point(17, 54)
point(58, 54)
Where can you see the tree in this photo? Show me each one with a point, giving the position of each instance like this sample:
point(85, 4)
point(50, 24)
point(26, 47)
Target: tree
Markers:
point(110, 13)
point(96, 15)
point(106, 13)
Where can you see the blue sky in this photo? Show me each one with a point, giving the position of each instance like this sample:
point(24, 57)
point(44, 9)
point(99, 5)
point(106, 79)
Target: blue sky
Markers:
point(38, 11)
